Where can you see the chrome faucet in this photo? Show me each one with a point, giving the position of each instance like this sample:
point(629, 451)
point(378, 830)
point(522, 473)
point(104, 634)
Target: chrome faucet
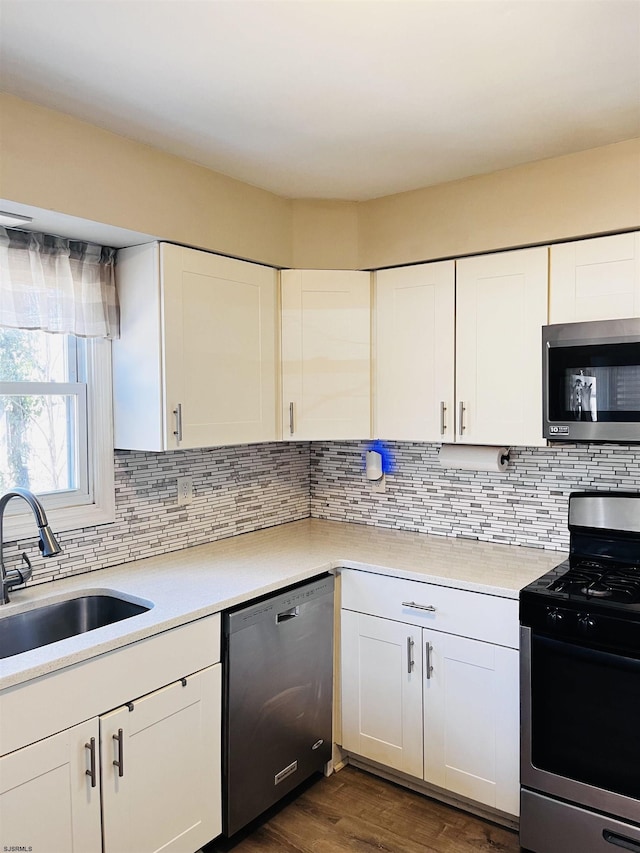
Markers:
point(47, 542)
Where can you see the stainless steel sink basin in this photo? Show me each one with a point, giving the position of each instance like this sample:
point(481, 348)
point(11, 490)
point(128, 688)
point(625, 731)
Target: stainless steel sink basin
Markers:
point(32, 629)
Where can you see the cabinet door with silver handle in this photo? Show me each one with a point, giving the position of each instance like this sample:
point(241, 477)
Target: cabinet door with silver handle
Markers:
point(169, 788)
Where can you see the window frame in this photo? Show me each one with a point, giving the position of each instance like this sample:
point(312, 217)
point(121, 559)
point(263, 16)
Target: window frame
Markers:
point(76, 509)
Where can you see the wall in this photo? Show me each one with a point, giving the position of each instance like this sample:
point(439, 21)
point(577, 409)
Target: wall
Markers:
point(590, 192)
point(325, 234)
point(109, 179)
point(236, 490)
point(57, 162)
point(525, 505)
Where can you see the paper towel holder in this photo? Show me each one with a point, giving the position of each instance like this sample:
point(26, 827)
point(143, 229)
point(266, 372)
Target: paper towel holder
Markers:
point(475, 457)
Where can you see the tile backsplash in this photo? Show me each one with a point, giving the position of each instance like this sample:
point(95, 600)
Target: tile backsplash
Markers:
point(235, 490)
point(524, 505)
point(244, 488)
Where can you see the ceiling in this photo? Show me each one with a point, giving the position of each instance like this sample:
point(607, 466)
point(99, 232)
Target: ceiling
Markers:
point(343, 99)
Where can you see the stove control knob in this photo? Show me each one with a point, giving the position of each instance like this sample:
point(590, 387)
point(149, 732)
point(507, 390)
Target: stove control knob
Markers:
point(555, 617)
point(585, 623)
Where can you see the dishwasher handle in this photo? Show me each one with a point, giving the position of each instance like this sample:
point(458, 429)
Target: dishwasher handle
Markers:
point(286, 615)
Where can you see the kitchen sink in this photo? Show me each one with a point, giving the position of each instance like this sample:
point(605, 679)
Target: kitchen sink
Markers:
point(32, 629)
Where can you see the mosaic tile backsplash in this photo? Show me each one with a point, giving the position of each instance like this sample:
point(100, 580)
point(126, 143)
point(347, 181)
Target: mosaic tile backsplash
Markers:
point(245, 488)
point(524, 505)
point(235, 490)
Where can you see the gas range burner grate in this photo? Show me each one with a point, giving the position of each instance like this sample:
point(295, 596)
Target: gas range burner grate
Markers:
point(590, 579)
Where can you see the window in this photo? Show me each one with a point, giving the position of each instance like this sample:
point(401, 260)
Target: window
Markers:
point(58, 312)
point(55, 428)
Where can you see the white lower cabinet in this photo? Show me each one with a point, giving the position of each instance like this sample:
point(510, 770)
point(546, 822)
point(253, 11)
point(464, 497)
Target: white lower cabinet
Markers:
point(155, 761)
point(160, 774)
point(438, 706)
point(471, 720)
point(382, 691)
point(141, 778)
point(47, 799)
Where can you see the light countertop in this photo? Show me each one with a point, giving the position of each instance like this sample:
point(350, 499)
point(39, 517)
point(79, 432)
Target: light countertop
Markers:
point(196, 582)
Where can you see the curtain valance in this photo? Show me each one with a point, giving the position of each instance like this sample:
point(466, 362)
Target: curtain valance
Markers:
point(57, 285)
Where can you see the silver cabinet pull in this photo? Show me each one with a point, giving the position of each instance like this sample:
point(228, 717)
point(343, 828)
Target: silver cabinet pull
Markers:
point(415, 606)
point(427, 660)
point(461, 409)
point(409, 655)
point(178, 430)
point(291, 425)
point(91, 773)
point(120, 762)
point(443, 412)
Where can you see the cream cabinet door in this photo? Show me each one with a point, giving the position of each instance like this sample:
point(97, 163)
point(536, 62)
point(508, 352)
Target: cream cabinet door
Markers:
point(596, 279)
point(161, 768)
point(47, 800)
point(220, 349)
point(501, 306)
point(196, 361)
point(471, 719)
point(326, 357)
point(381, 665)
point(414, 352)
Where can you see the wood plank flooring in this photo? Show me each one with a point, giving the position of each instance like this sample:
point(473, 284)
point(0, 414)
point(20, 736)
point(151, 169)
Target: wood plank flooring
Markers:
point(356, 812)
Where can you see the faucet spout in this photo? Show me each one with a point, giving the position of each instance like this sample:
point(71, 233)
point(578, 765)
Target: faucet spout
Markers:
point(47, 543)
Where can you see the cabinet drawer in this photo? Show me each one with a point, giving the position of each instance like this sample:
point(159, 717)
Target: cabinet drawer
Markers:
point(456, 611)
point(60, 699)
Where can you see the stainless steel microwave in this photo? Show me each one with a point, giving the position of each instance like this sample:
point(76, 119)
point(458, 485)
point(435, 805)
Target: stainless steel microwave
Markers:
point(591, 381)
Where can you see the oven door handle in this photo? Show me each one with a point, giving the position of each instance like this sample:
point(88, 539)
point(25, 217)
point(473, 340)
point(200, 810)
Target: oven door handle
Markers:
point(621, 841)
point(618, 659)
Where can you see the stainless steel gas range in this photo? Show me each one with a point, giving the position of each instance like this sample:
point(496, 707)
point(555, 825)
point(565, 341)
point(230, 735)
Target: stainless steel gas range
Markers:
point(580, 686)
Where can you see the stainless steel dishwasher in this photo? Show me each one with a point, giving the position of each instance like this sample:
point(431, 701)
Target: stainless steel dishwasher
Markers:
point(278, 656)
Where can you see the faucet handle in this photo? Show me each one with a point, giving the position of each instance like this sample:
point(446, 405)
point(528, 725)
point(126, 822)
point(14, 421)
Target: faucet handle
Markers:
point(24, 576)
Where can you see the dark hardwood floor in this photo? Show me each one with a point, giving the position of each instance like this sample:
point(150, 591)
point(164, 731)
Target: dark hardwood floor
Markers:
point(355, 811)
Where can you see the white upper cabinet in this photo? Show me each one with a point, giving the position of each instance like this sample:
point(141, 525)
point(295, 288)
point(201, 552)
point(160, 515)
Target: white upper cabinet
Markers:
point(195, 365)
point(414, 328)
point(326, 354)
point(596, 279)
point(501, 306)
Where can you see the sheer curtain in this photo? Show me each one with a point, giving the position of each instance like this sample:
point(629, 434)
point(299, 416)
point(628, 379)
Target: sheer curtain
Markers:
point(57, 285)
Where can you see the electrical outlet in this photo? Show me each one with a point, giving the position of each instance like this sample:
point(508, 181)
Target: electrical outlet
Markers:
point(185, 490)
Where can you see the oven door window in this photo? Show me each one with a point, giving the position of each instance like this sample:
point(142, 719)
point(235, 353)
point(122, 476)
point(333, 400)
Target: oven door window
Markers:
point(598, 382)
point(585, 715)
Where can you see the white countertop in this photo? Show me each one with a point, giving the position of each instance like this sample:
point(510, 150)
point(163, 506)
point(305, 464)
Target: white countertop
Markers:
point(196, 582)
